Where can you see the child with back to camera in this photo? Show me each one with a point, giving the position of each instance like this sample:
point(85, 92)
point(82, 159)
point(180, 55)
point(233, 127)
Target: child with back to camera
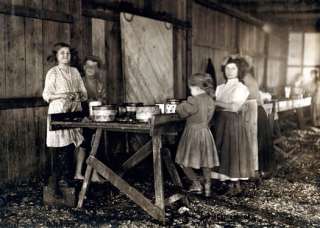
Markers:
point(196, 149)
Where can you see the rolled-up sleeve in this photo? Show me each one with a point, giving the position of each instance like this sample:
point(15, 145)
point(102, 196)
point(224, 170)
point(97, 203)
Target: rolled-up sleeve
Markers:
point(187, 108)
point(49, 85)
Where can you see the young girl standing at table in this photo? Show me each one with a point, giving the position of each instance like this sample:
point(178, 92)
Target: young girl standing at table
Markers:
point(196, 149)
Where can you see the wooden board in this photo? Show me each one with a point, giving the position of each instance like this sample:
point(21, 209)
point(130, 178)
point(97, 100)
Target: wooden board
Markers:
point(50, 36)
point(15, 57)
point(148, 61)
point(114, 77)
point(2, 53)
point(98, 44)
point(4, 159)
point(34, 60)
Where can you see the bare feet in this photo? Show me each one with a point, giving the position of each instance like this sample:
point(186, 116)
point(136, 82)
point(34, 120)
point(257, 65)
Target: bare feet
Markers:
point(78, 177)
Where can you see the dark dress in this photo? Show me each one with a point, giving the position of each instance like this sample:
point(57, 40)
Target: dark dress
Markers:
point(265, 144)
point(197, 148)
point(232, 144)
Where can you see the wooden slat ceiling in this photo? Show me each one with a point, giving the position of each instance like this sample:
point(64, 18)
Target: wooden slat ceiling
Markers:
point(282, 12)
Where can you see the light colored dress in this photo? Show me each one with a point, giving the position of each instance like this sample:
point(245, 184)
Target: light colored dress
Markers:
point(59, 82)
point(250, 114)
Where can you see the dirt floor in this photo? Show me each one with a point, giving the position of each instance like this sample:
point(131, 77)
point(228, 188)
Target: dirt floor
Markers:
point(290, 198)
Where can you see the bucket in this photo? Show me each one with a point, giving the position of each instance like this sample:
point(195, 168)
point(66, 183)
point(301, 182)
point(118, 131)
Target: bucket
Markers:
point(93, 104)
point(105, 113)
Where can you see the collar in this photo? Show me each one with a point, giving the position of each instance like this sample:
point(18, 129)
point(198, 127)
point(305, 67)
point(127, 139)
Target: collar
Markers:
point(232, 81)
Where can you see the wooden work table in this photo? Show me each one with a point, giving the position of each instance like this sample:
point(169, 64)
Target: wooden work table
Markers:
point(157, 127)
point(277, 107)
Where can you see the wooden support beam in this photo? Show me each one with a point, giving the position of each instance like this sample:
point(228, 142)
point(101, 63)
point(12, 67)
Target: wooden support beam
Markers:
point(128, 190)
point(215, 5)
point(129, 8)
point(100, 14)
point(27, 102)
point(289, 16)
point(139, 156)
point(157, 167)
point(42, 14)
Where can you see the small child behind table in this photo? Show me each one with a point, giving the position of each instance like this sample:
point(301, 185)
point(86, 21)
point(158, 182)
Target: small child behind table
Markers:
point(196, 149)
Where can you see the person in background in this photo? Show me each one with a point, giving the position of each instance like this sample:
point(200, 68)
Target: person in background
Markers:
point(250, 112)
point(316, 98)
point(96, 92)
point(230, 132)
point(63, 90)
point(196, 149)
point(259, 130)
point(299, 87)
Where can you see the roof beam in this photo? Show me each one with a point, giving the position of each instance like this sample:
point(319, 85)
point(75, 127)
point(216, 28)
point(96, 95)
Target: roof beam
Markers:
point(215, 5)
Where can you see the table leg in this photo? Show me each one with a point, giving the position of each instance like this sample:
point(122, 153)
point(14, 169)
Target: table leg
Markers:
point(174, 175)
point(87, 177)
point(157, 167)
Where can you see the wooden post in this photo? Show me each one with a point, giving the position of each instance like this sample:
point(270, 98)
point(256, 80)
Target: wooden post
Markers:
point(157, 167)
point(87, 177)
point(300, 116)
point(139, 156)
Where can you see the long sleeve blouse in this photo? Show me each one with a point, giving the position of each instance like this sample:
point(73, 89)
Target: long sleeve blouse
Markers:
point(232, 92)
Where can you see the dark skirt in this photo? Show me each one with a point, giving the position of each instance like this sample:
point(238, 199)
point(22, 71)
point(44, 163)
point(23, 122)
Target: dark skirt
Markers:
point(265, 144)
point(232, 145)
point(197, 148)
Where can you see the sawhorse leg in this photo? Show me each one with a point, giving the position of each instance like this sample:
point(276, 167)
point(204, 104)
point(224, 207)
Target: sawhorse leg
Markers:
point(157, 169)
point(87, 177)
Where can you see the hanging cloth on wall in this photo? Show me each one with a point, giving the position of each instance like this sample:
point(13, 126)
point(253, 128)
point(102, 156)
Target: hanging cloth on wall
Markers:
point(210, 70)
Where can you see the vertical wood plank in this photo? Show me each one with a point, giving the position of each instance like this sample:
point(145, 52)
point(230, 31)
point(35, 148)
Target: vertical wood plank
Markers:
point(50, 35)
point(2, 53)
point(63, 28)
point(34, 58)
point(114, 77)
point(15, 56)
point(76, 32)
point(4, 157)
point(179, 55)
point(189, 40)
point(99, 46)
point(16, 87)
point(40, 141)
point(157, 166)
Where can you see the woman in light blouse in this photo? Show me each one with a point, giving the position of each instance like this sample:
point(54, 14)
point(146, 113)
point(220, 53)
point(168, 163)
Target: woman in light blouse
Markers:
point(64, 90)
point(230, 133)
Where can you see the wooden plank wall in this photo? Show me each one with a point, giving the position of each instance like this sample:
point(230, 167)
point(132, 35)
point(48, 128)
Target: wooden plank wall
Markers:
point(277, 61)
point(214, 36)
point(25, 44)
point(252, 42)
